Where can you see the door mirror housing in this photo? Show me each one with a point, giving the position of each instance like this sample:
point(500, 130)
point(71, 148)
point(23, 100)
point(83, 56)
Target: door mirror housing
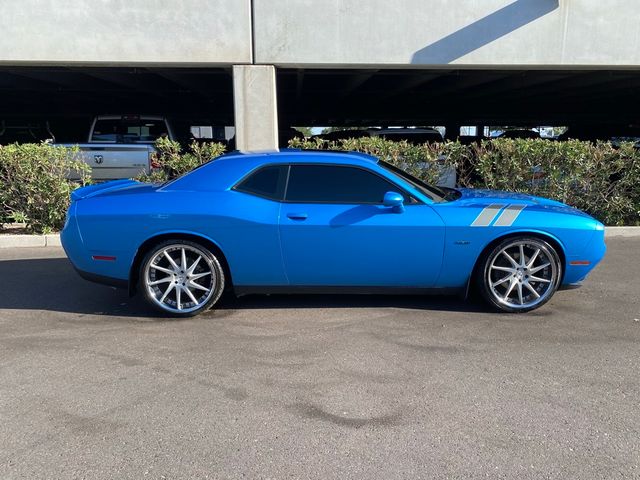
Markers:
point(395, 201)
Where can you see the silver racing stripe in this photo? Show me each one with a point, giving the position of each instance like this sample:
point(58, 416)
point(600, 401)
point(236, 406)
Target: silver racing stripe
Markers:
point(509, 215)
point(486, 216)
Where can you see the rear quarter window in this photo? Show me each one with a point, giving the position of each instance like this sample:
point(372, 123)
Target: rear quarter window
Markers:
point(267, 182)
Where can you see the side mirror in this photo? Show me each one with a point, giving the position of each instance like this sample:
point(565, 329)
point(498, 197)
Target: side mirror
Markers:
point(395, 201)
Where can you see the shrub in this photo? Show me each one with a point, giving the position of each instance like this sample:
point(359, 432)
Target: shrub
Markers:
point(170, 161)
point(601, 179)
point(34, 188)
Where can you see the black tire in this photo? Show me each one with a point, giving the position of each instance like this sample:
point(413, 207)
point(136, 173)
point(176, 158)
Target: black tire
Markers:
point(516, 291)
point(170, 300)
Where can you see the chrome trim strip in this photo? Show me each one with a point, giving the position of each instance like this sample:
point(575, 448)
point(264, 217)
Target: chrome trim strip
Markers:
point(486, 216)
point(509, 215)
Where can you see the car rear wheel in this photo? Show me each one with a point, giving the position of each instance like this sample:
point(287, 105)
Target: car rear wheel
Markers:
point(520, 274)
point(181, 278)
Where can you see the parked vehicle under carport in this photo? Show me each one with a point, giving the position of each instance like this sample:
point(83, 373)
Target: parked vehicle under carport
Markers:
point(121, 146)
point(447, 175)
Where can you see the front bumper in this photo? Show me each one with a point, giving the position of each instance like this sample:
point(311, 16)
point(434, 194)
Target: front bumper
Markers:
point(576, 270)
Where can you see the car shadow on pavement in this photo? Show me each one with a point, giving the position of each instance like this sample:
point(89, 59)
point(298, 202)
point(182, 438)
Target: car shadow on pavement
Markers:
point(51, 284)
point(412, 302)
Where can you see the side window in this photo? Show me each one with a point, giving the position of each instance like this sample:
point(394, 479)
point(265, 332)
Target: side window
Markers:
point(267, 182)
point(336, 184)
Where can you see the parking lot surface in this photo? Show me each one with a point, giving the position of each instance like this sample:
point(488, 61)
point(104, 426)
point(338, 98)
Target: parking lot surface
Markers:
point(94, 385)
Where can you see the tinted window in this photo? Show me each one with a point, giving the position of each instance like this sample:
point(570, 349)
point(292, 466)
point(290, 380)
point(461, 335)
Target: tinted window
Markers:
point(435, 193)
point(335, 184)
point(267, 182)
point(128, 130)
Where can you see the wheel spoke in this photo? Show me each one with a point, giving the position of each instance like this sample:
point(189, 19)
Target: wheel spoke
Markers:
point(538, 268)
point(183, 260)
point(194, 265)
point(179, 297)
point(522, 258)
point(188, 292)
point(538, 279)
point(162, 280)
point(502, 280)
point(162, 269)
point(520, 293)
point(510, 258)
point(532, 290)
point(198, 286)
point(533, 258)
point(166, 292)
point(171, 261)
point(510, 289)
point(199, 275)
point(503, 269)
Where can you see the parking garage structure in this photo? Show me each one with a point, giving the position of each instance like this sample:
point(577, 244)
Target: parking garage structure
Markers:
point(264, 66)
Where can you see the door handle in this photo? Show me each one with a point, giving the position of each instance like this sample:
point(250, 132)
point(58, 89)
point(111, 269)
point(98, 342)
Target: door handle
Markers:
point(297, 216)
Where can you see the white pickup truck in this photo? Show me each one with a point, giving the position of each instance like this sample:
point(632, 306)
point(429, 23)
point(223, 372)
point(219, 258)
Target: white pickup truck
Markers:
point(120, 146)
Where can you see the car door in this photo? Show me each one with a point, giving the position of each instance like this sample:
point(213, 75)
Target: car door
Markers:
point(251, 237)
point(335, 231)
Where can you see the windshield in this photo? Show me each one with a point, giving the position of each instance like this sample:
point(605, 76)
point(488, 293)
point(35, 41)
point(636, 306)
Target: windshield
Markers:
point(437, 194)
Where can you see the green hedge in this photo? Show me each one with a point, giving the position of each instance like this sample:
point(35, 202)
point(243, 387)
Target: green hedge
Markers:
point(601, 179)
point(34, 188)
point(171, 161)
point(33, 184)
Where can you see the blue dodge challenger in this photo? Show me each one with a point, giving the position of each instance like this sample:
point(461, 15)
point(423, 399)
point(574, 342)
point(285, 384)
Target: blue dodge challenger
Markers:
point(296, 221)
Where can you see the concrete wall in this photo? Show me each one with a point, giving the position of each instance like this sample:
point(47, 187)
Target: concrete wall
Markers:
point(439, 32)
point(393, 33)
point(125, 31)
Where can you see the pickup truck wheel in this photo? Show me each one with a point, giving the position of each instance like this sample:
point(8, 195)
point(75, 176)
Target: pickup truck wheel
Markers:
point(520, 274)
point(181, 278)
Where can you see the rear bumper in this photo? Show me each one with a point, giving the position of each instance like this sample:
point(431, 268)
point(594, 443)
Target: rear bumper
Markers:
point(102, 279)
point(84, 262)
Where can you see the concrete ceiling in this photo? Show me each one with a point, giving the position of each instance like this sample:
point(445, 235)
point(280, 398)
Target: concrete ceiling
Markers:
point(332, 97)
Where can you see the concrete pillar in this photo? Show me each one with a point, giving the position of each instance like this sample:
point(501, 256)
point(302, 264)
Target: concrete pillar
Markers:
point(256, 110)
point(452, 131)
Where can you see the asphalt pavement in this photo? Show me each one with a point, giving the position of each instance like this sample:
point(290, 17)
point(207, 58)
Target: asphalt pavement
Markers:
point(94, 385)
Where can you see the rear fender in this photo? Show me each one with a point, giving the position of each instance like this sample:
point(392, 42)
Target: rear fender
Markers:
point(165, 235)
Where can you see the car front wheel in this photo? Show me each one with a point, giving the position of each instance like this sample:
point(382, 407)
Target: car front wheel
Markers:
point(520, 274)
point(181, 278)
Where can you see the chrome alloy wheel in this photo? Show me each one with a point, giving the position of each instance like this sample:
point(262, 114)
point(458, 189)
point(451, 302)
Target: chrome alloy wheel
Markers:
point(523, 274)
point(180, 278)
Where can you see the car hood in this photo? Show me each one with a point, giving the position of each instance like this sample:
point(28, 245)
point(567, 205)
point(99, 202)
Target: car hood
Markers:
point(470, 196)
point(116, 187)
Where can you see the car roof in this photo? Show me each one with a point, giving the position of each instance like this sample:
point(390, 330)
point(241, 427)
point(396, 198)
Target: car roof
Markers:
point(294, 155)
point(231, 167)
